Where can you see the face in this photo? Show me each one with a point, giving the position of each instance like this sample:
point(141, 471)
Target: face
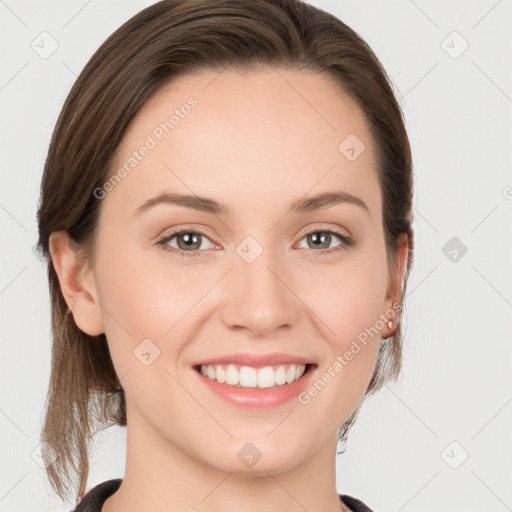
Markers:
point(257, 269)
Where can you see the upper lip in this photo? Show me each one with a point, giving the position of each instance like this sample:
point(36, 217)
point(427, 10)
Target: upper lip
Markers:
point(256, 360)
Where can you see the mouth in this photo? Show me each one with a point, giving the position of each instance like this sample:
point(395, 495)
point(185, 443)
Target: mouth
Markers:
point(262, 377)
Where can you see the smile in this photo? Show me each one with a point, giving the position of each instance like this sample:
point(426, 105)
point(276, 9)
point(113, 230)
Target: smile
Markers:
point(249, 377)
point(251, 387)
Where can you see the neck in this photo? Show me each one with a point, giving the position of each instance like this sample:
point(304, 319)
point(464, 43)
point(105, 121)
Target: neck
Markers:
point(159, 476)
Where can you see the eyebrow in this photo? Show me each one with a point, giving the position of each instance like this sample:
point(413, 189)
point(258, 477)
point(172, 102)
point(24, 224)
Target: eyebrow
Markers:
point(204, 204)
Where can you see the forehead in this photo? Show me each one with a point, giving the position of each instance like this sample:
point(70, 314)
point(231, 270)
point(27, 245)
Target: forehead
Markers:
point(262, 130)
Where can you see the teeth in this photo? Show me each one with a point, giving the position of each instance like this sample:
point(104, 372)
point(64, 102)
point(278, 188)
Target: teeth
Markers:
point(248, 377)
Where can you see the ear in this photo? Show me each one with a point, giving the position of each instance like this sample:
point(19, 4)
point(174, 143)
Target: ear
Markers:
point(394, 293)
point(77, 284)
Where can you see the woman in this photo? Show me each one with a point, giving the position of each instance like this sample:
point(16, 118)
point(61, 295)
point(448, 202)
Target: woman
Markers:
point(226, 212)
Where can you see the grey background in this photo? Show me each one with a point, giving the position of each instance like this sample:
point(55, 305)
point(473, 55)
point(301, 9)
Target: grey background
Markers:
point(406, 453)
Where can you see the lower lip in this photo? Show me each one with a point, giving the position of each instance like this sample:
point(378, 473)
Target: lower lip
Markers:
point(258, 397)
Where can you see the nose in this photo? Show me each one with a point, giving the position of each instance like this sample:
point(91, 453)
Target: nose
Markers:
point(259, 297)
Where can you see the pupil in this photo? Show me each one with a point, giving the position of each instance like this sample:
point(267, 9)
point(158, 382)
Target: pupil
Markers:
point(321, 238)
point(190, 239)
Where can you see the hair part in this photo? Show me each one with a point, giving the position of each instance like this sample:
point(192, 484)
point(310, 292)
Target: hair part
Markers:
point(161, 42)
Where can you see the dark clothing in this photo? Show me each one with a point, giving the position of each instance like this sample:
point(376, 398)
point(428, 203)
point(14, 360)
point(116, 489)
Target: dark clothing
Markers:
point(94, 499)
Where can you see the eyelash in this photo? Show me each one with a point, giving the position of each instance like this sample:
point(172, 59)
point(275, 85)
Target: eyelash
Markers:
point(347, 242)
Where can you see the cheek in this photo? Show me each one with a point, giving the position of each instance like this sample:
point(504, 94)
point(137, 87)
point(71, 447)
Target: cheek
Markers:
point(347, 302)
point(347, 305)
point(346, 298)
point(147, 297)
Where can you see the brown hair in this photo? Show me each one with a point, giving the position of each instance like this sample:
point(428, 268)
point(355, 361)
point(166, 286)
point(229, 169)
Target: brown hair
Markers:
point(167, 39)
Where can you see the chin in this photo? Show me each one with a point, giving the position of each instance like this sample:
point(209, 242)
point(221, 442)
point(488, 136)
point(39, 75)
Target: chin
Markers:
point(248, 460)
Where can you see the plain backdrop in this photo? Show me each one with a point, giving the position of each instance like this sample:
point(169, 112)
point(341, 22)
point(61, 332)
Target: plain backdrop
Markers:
point(440, 438)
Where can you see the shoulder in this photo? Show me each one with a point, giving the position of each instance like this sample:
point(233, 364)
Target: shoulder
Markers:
point(354, 504)
point(94, 499)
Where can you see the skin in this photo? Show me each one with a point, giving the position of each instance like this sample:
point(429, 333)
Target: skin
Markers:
point(256, 144)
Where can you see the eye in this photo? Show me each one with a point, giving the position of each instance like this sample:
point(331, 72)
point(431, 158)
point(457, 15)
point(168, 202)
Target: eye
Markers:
point(189, 242)
point(321, 239)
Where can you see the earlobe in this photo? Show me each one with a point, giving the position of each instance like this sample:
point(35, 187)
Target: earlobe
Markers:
point(78, 286)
